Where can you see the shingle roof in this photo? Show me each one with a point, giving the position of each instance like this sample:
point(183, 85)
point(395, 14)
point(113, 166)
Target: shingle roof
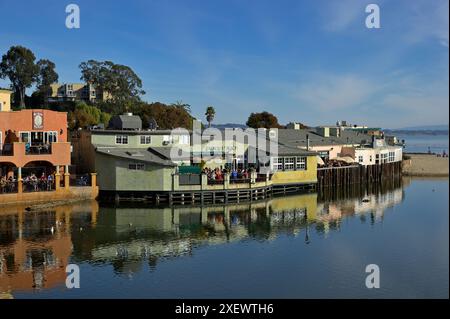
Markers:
point(135, 154)
point(297, 138)
point(166, 152)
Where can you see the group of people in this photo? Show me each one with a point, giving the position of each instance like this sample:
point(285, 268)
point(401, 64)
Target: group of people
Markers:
point(7, 184)
point(43, 183)
point(31, 183)
point(218, 174)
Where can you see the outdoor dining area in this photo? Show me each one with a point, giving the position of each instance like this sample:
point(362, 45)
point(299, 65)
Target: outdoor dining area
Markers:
point(31, 182)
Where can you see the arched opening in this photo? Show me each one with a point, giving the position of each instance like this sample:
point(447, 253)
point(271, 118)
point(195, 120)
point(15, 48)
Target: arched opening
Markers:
point(8, 177)
point(38, 176)
point(7, 168)
point(38, 168)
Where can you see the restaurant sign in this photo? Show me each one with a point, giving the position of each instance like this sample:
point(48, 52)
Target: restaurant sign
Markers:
point(38, 120)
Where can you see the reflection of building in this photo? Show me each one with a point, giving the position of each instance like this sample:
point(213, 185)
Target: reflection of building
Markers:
point(129, 238)
point(35, 246)
point(378, 203)
point(129, 235)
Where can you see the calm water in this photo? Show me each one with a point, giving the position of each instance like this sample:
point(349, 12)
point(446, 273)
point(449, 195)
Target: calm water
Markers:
point(302, 246)
point(421, 143)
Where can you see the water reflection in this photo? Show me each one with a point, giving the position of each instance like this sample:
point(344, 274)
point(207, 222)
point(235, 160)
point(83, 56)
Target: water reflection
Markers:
point(35, 247)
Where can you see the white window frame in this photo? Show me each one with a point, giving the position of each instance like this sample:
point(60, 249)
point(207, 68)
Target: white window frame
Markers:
point(391, 157)
point(184, 140)
point(360, 159)
point(136, 166)
point(289, 163)
point(121, 138)
point(168, 139)
point(50, 133)
point(29, 136)
point(276, 165)
point(300, 163)
point(149, 137)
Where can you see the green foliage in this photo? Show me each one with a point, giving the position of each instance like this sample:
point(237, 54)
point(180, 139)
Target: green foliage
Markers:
point(87, 115)
point(262, 120)
point(47, 75)
point(181, 104)
point(119, 82)
point(18, 65)
point(166, 116)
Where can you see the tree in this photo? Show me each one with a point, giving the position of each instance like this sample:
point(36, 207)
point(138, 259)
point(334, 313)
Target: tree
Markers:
point(262, 120)
point(166, 116)
point(210, 113)
point(181, 104)
point(18, 65)
point(47, 75)
point(87, 115)
point(117, 82)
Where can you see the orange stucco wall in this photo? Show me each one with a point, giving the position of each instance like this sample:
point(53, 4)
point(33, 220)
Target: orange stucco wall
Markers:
point(18, 121)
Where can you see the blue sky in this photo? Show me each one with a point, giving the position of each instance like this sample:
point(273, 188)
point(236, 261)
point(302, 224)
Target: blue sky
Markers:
point(308, 61)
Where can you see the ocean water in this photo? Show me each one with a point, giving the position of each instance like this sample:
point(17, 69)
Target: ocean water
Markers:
point(302, 246)
point(423, 143)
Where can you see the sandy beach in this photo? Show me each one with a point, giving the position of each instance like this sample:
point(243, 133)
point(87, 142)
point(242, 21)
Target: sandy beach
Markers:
point(425, 165)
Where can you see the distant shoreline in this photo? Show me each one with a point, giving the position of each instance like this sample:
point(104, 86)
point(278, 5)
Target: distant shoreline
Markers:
point(424, 132)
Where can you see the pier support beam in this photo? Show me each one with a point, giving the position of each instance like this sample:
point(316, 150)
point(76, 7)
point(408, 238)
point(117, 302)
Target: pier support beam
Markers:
point(19, 180)
point(66, 177)
point(57, 180)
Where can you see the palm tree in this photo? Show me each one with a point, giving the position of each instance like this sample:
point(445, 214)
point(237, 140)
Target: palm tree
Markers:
point(210, 112)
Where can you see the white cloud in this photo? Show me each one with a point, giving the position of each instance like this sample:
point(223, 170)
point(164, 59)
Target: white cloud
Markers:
point(335, 92)
point(339, 15)
point(427, 20)
point(412, 21)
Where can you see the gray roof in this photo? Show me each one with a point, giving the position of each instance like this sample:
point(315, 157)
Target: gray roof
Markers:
point(139, 132)
point(287, 150)
point(292, 137)
point(135, 154)
point(165, 152)
point(126, 122)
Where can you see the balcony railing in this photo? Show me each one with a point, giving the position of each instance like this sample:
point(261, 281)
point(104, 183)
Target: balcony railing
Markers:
point(215, 181)
point(38, 149)
point(189, 179)
point(38, 185)
point(239, 180)
point(19, 148)
point(6, 149)
point(8, 187)
point(80, 180)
